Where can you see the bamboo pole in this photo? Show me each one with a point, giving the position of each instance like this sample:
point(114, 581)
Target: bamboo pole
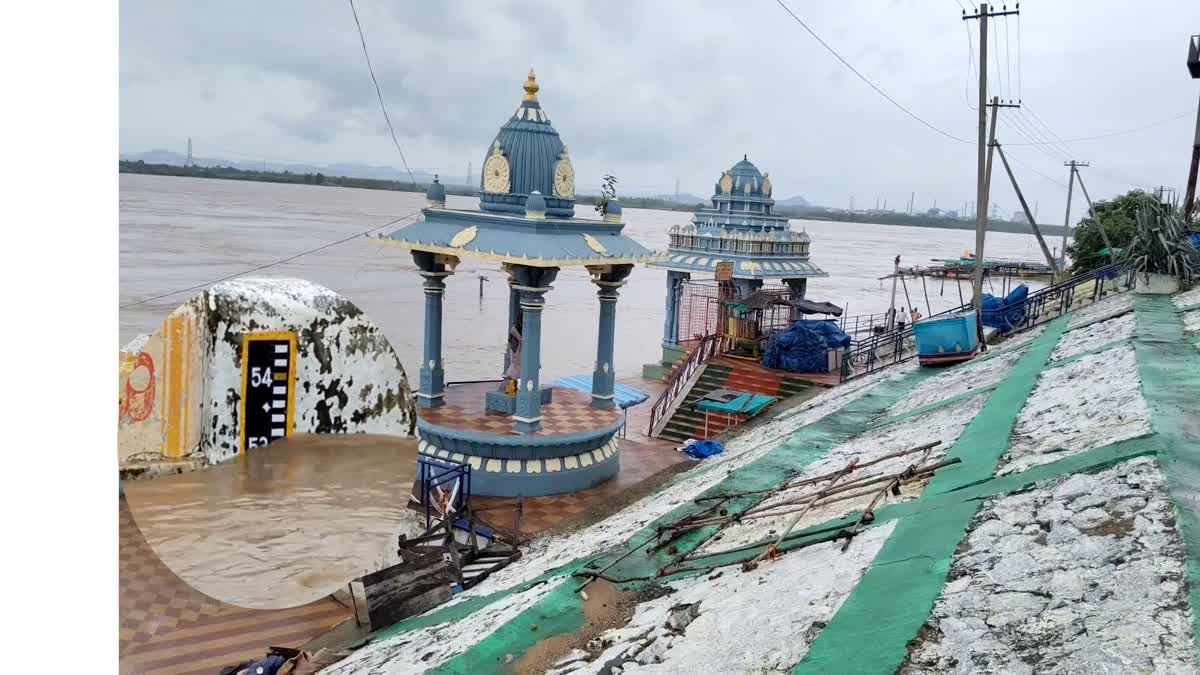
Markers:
point(849, 467)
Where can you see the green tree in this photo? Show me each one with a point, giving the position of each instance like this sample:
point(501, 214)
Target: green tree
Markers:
point(1118, 215)
point(607, 191)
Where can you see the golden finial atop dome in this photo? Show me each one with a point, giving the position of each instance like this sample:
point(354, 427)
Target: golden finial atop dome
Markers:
point(531, 87)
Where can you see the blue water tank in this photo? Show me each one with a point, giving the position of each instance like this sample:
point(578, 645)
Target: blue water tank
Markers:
point(946, 337)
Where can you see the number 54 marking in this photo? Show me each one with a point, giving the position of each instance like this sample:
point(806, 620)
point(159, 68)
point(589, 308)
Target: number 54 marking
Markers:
point(260, 377)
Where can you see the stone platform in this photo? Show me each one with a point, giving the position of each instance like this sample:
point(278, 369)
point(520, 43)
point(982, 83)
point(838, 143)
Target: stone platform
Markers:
point(575, 449)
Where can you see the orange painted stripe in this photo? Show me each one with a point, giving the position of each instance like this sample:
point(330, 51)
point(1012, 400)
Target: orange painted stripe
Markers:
point(186, 385)
point(174, 377)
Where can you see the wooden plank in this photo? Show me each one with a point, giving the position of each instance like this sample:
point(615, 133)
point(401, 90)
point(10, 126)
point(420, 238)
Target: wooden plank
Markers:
point(406, 589)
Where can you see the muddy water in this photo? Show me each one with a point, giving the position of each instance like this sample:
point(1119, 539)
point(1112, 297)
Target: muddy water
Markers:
point(284, 525)
point(179, 232)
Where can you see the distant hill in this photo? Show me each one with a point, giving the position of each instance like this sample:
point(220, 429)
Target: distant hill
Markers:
point(682, 198)
point(793, 201)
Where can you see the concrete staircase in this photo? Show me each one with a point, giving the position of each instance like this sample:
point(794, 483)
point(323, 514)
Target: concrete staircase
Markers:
point(687, 423)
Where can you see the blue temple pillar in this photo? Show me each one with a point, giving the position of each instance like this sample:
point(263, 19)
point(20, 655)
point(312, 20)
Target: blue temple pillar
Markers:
point(609, 279)
point(532, 283)
point(671, 316)
point(514, 308)
point(796, 290)
point(433, 375)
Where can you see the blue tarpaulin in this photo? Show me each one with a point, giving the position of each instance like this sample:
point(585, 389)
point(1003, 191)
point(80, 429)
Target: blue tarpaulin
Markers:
point(623, 396)
point(1195, 240)
point(804, 348)
point(703, 449)
point(1006, 313)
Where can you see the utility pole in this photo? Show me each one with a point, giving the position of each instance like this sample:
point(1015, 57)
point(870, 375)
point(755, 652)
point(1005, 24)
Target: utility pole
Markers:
point(1062, 253)
point(676, 189)
point(1032, 218)
point(911, 197)
point(189, 159)
point(1189, 196)
point(468, 174)
point(983, 165)
point(1164, 195)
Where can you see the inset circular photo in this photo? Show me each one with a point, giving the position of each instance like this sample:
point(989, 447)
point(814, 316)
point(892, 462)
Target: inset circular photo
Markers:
point(266, 443)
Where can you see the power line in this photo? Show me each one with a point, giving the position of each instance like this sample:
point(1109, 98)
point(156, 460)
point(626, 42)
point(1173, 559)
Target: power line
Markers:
point(1008, 59)
point(1046, 145)
point(869, 83)
point(1034, 117)
point(996, 58)
point(379, 93)
point(1018, 126)
point(1117, 133)
point(272, 264)
point(1018, 160)
point(971, 70)
point(1020, 81)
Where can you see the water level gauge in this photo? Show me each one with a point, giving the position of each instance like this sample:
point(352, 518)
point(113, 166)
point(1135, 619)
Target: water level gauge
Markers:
point(268, 377)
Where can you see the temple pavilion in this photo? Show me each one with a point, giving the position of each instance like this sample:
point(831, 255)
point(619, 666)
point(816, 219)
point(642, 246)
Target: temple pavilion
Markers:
point(739, 232)
point(519, 437)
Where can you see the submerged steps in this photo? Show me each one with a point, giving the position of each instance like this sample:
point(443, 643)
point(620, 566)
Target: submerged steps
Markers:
point(687, 423)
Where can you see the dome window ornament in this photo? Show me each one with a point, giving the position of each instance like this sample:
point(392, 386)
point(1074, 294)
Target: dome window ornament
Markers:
point(495, 172)
point(726, 183)
point(564, 177)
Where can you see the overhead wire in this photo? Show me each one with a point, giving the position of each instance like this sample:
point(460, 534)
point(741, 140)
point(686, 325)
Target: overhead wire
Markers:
point(271, 264)
point(1047, 144)
point(1124, 131)
point(1034, 119)
point(379, 93)
point(1025, 164)
point(868, 82)
point(996, 58)
point(1018, 126)
point(972, 71)
point(1020, 81)
point(1008, 59)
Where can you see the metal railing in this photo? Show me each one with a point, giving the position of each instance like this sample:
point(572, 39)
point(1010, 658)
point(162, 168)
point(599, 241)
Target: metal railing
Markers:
point(879, 351)
point(708, 347)
point(863, 323)
point(445, 487)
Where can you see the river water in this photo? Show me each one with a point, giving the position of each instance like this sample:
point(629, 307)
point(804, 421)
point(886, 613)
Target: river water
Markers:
point(180, 232)
point(286, 524)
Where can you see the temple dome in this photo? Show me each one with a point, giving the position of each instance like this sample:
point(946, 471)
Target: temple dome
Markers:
point(744, 179)
point(527, 156)
point(746, 169)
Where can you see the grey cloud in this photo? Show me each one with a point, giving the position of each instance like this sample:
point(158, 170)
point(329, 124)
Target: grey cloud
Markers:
point(641, 84)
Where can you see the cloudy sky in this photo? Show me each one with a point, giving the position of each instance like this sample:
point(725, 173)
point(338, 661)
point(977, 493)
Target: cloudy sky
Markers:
point(655, 91)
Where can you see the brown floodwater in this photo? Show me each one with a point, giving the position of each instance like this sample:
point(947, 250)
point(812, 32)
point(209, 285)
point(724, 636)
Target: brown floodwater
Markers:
point(180, 232)
point(284, 525)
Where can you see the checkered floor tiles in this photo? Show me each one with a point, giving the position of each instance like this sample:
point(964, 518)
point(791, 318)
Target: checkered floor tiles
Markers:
point(167, 627)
